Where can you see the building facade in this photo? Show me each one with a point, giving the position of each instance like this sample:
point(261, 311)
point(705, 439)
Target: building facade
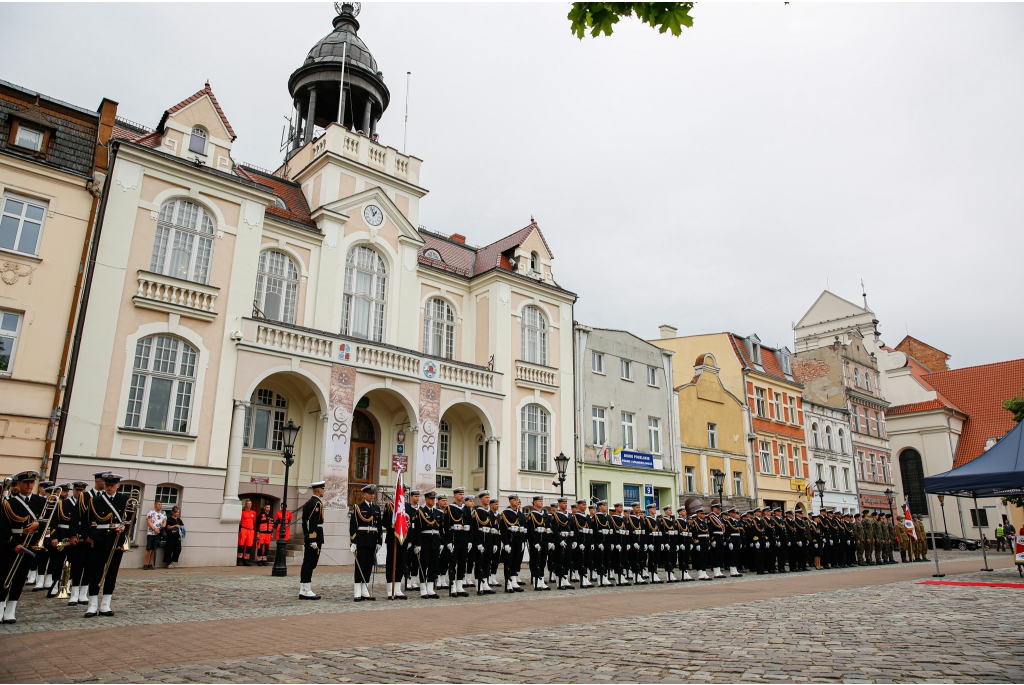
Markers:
point(53, 164)
point(228, 300)
point(774, 426)
point(830, 453)
point(627, 427)
point(841, 356)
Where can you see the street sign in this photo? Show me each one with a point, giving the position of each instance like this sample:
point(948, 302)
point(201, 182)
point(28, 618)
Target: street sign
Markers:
point(648, 489)
point(261, 480)
point(637, 459)
point(401, 448)
point(399, 463)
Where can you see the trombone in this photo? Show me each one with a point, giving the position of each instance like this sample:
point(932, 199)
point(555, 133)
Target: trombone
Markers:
point(44, 526)
point(131, 510)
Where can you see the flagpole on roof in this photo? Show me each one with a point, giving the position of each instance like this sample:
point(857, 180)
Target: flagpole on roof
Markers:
point(341, 89)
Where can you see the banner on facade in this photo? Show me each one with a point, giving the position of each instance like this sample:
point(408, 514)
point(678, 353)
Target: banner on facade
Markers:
point(426, 454)
point(637, 460)
point(343, 392)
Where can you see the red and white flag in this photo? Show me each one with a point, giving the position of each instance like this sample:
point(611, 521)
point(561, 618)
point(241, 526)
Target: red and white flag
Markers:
point(400, 520)
point(908, 521)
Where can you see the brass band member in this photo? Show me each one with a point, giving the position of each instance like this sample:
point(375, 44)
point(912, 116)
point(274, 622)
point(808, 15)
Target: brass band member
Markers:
point(364, 534)
point(106, 523)
point(63, 529)
point(17, 523)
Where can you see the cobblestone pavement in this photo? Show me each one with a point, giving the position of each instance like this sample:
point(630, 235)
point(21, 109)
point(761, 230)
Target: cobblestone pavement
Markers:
point(818, 631)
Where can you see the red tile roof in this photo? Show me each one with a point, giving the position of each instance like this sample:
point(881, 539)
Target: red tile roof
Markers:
point(455, 257)
point(491, 256)
point(289, 192)
point(913, 407)
point(207, 92)
point(979, 391)
point(769, 364)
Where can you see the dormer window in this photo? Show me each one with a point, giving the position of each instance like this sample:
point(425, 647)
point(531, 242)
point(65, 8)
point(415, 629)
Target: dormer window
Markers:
point(279, 203)
point(29, 138)
point(756, 355)
point(197, 141)
point(433, 254)
point(534, 263)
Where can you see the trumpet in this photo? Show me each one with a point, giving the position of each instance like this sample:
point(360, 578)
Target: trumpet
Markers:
point(49, 509)
point(63, 543)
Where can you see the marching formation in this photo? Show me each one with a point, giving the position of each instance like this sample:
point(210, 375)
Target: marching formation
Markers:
point(63, 539)
point(462, 543)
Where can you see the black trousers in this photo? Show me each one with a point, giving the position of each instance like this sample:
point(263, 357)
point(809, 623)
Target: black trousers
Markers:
point(98, 559)
point(80, 563)
point(482, 563)
point(459, 563)
point(683, 553)
point(718, 550)
point(430, 556)
point(444, 559)
point(496, 557)
point(172, 550)
point(733, 545)
point(310, 558)
point(537, 559)
point(365, 559)
point(13, 592)
point(57, 559)
point(699, 553)
point(653, 554)
point(394, 560)
point(43, 558)
point(412, 563)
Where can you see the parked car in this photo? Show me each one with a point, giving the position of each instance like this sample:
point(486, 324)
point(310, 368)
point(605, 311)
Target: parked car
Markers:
point(962, 544)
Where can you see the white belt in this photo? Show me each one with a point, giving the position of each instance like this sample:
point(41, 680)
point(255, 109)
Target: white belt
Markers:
point(459, 526)
point(17, 530)
point(564, 534)
point(623, 532)
point(702, 535)
point(673, 532)
point(63, 525)
point(605, 531)
point(655, 534)
point(638, 532)
point(431, 532)
point(734, 535)
point(687, 534)
point(104, 526)
point(367, 529)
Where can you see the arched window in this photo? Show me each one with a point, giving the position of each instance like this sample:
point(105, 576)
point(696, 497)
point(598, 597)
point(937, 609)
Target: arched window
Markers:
point(535, 337)
point(163, 379)
point(197, 141)
point(534, 439)
point(814, 435)
point(828, 438)
point(362, 310)
point(184, 242)
point(443, 445)
point(842, 441)
point(912, 473)
point(264, 418)
point(433, 254)
point(439, 329)
point(534, 263)
point(277, 286)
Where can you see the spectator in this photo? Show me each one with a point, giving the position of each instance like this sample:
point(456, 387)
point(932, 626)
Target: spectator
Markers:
point(175, 532)
point(999, 537)
point(155, 521)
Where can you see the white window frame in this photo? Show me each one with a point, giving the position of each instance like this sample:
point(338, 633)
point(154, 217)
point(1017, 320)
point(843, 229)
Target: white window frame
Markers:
point(828, 439)
point(363, 263)
point(164, 359)
point(444, 444)
point(34, 146)
point(481, 453)
point(184, 225)
point(535, 265)
point(534, 336)
point(433, 254)
point(783, 460)
point(833, 476)
point(861, 466)
point(275, 407)
point(439, 323)
point(652, 376)
point(690, 473)
point(856, 377)
point(842, 441)
point(6, 316)
point(815, 436)
point(628, 434)
point(867, 381)
point(873, 466)
point(597, 362)
point(277, 274)
point(797, 462)
point(22, 219)
point(626, 369)
point(777, 399)
point(760, 403)
point(168, 495)
point(766, 456)
point(737, 484)
point(819, 469)
point(535, 438)
point(712, 436)
point(792, 411)
point(198, 133)
point(846, 478)
point(654, 434)
point(599, 425)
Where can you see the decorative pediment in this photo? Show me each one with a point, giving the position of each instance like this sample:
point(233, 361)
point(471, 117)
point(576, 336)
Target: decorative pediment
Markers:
point(377, 196)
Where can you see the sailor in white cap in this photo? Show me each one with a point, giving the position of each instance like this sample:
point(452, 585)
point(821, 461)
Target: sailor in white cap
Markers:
point(312, 538)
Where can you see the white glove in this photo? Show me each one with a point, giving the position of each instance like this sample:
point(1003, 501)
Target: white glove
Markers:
point(451, 547)
point(416, 550)
point(730, 546)
point(480, 548)
point(537, 547)
point(799, 543)
point(788, 543)
point(508, 548)
point(697, 548)
point(315, 548)
point(757, 545)
point(601, 547)
point(469, 546)
point(815, 545)
point(778, 543)
point(551, 545)
point(494, 549)
point(636, 545)
point(574, 545)
point(353, 548)
point(562, 543)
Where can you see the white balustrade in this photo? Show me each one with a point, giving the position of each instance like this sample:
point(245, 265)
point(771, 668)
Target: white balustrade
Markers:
point(534, 373)
point(157, 288)
point(293, 341)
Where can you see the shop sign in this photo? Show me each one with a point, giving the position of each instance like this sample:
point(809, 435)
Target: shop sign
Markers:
point(637, 460)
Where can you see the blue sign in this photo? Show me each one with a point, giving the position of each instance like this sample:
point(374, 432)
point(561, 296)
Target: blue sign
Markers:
point(649, 490)
point(630, 494)
point(637, 459)
point(401, 448)
point(429, 369)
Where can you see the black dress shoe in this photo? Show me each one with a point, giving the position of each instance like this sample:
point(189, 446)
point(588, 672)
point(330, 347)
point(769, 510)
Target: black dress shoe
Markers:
point(357, 599)
point(403, 597)
point(8, 621)
point(90, 614)
point(106, 613)
point(307, 597)
point(371, 598)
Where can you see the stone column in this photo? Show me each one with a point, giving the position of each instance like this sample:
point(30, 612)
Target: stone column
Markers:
point(705, 486)
point(310, 116)
point(366, 117)
point(297, 133)
point(727, 468)
point(231, 509)
point(492, 466)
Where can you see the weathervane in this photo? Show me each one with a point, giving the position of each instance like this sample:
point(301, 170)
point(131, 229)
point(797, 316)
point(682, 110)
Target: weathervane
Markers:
point(339, 7)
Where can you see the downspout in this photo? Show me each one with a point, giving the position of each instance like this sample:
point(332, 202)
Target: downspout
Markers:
point(751, 455)
point(76, 344)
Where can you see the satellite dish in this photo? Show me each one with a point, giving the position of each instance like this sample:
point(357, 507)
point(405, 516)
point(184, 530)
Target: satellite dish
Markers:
point(353, 8)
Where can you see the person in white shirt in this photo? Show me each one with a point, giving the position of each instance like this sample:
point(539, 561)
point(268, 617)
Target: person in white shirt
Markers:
point(155, 522)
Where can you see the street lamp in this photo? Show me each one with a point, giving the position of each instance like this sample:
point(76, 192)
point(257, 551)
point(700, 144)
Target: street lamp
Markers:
point(561, 463)
point(946, 543)
point(288, 433)
point(820, 483)
point(719, 482)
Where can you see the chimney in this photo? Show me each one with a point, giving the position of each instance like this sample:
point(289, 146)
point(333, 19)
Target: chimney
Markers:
point(457, 238)
point(668, 331)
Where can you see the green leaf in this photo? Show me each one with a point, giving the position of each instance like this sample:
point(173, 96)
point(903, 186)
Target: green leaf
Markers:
point(599, 18)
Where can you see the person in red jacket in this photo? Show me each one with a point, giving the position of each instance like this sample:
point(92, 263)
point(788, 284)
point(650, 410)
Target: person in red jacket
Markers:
point(246, 530)
point(264, 527)
point(283, 532)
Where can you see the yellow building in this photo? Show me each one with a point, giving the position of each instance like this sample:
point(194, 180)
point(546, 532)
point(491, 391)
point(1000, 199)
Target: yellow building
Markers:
point(770, 429)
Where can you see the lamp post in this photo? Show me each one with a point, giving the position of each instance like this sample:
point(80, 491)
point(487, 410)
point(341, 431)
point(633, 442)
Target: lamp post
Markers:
point(820, 484)
point(561, 463)
point(718, 477)
point(946, 542)
point(891, 496)
point(288, 433)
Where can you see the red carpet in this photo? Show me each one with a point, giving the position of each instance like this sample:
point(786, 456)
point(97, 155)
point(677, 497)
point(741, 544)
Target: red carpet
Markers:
point(953, 582)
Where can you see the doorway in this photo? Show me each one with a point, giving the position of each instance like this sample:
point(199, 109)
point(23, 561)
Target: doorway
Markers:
point(361, 456)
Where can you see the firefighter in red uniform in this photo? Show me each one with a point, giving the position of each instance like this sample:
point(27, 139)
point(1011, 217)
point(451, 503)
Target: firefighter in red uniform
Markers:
point(246, 534)
point(264, 528)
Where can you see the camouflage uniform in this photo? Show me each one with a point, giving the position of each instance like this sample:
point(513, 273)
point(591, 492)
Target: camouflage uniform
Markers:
point(922, 544)
point(903, 538)
point(868, 522)
point(858, 538)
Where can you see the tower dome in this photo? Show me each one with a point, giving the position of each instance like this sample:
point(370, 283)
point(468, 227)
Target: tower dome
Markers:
point(316, 86)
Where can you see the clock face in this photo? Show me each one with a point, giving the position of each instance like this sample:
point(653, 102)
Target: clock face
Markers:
point(373, 216)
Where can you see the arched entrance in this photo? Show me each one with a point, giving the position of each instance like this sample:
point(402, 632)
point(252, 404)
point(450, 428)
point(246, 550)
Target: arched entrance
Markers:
point(362, 459)
point(912, 476)
point(463, 434)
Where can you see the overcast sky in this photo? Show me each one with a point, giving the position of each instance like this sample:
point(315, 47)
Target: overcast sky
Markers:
point(716, 181)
